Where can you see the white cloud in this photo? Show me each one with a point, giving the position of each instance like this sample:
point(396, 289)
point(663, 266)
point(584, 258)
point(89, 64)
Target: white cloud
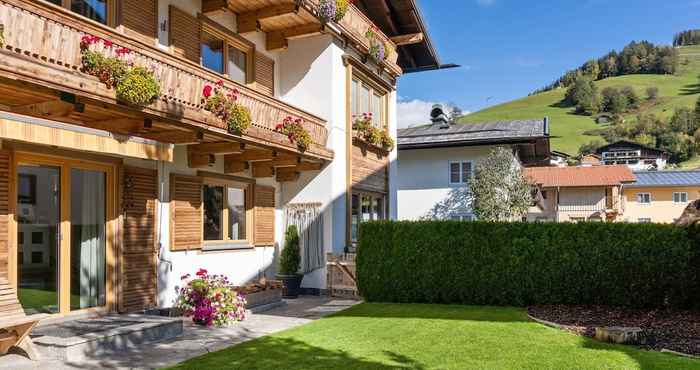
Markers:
point(485, 2)
point(416, 112)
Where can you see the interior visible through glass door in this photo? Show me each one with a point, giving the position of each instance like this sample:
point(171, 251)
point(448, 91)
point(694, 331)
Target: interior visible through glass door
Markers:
point(88, 239)
point(38, 239)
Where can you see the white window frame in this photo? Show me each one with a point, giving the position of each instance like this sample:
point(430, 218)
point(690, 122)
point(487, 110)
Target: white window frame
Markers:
point(461, 172)
point(680, 196)
point(639, 196)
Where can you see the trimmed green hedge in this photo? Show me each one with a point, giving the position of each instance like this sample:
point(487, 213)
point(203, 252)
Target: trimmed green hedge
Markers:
point(518, 264)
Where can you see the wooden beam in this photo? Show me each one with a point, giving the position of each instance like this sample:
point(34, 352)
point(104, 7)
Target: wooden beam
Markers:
point(250, 21)
point(129, 126)
point(409, 39)
point(217, 148)
point(233, 163)
point(263, 171)
point(195, 160)
point(278, 40)
point(308, 166)
point(52, 108)
point(174, 137)
point(213, 6)
point(258, 155)
point(280, 162)
point(287, 176)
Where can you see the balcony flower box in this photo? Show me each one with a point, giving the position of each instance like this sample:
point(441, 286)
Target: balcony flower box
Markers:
point(262, 293)
point(365, 131)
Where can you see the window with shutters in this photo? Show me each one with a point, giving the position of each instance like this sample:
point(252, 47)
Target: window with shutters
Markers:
point(460, 172)
point(97, 10)
point(367, 97)
point(225, 211)
point(226, 53)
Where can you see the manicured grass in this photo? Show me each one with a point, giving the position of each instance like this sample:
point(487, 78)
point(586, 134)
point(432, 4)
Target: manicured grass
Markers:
point(409, 336)
point(682, 89)
point(41, 300)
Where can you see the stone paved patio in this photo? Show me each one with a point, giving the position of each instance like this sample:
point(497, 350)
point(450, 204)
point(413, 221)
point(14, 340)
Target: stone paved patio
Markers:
point(196, 340)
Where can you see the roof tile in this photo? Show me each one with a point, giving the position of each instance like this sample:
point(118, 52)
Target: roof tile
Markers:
point(579, 176)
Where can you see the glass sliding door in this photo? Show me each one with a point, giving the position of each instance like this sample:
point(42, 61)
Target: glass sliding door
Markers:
point(88, 240)
point(38, 237)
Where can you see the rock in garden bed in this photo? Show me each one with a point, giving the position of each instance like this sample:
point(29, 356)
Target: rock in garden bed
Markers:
point(674, 330)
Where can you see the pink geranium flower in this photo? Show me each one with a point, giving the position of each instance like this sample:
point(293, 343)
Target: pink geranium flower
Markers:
point(207, 91)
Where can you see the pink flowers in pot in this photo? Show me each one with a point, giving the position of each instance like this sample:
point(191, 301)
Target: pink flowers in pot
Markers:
point(211, 299)
point(223, 103)
point(295, 131)
point(366, 131)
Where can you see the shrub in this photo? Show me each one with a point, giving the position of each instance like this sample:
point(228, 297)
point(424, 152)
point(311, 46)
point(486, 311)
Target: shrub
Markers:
point(138, 87)
point(210, 300)
point(290, 260)
point(482, 263)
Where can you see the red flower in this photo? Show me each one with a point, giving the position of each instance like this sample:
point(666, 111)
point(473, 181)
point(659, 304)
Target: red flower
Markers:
point(207, 91)
point(122, 51)
point(107, 43)
point(220, 83)
point(201, 272)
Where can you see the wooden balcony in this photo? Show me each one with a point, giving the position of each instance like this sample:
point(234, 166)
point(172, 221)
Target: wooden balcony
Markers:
point(283, 20)
point(40, 76)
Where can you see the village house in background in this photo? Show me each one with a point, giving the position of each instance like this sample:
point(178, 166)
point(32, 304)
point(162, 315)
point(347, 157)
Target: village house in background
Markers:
point(636, 156)
point(435, 161)
point(107, 200)
point(660, 196)
point(576, 194)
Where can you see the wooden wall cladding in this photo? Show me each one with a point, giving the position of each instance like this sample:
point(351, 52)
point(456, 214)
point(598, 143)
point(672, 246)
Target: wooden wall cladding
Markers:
point(139, 248)
point(5, 164)
point(265, 74)
point(185, 34)
point(369, 168)
point(264, 215)
point(140, 18)
point(186, 212)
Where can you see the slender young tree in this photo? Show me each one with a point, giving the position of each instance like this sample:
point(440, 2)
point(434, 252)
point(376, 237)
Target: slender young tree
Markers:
point(499, 192)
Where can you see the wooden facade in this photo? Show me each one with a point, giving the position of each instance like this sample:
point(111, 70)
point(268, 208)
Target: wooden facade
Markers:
point(370, 168)
point(5, 215)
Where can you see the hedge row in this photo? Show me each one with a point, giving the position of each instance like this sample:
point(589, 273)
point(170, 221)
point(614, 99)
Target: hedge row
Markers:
point(519, 264)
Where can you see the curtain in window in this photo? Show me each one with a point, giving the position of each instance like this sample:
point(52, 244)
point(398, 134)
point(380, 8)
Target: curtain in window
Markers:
point(309, 221)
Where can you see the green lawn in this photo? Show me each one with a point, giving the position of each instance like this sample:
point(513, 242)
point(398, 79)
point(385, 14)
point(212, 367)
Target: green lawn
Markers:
point(682, 89)
point(42, 300)
point(390, 336)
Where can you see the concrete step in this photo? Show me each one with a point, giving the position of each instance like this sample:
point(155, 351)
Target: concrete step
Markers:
point(112, 334)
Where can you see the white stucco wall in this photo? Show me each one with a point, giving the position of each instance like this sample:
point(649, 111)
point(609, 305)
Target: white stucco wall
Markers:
point(423, 178)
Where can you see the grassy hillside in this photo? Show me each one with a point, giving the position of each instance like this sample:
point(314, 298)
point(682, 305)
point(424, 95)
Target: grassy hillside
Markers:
point(567, 128)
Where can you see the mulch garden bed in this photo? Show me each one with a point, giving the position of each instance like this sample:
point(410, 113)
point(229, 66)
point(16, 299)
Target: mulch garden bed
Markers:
point(673, 330)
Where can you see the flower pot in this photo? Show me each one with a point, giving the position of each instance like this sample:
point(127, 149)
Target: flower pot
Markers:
point(291, 285)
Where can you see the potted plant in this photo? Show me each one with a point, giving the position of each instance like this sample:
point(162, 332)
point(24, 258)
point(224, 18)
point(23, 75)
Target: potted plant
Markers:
point(295, 132)
point(290, 262)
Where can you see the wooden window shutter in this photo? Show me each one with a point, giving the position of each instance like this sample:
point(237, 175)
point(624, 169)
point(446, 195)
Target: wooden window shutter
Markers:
point(140, 18)
point(186, 212)
point(264, 74)
point(264, 215)
point(5, 164)
point(139, 249)
point(185, 33)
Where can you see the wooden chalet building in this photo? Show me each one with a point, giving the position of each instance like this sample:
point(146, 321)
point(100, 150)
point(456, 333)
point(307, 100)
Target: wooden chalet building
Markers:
point(106, 202)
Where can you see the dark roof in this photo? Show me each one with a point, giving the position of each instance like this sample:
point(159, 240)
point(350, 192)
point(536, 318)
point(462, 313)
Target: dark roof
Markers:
point(404, 17)
point(472, 134)
point(626, 145)
point(666, 178)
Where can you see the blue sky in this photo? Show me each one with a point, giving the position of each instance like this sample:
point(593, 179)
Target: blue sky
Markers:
point(507, 48)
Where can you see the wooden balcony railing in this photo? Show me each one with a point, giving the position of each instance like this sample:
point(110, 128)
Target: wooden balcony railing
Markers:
point(45, 43)
point(355, 24)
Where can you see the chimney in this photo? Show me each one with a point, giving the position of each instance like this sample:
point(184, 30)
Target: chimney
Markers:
point(438, 117)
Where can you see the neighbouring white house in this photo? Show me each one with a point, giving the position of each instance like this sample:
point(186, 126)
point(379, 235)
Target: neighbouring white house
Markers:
point(105, 205)
point(435, 161)
point(636, 156)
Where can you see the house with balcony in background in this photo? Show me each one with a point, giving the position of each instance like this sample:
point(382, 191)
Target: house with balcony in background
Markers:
point(435, 161)
point(636, 156)
point(660, 196)
point(577, 194)
point(112, 188)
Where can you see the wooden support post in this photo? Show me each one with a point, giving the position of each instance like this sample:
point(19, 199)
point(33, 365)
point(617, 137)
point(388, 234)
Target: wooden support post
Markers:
point(234, 164)
point(250, 21)
point(195, 160)
point(263, 171)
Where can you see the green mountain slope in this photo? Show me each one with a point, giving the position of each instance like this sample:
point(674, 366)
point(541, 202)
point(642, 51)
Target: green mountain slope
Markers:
point(567, 128)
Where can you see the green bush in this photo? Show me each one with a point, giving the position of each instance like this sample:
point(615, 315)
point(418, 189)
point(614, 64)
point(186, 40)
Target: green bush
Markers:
point(290, 260)
point(138, 87)
point(518, 264)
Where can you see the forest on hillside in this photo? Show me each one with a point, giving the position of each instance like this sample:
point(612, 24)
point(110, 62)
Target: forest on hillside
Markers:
point(687, 38)
point(636, 57)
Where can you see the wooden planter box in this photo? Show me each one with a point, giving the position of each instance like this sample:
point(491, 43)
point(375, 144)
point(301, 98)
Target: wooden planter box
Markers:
point(264, 297)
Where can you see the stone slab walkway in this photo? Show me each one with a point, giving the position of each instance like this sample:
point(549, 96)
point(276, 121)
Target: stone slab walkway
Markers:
point(195, 340)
